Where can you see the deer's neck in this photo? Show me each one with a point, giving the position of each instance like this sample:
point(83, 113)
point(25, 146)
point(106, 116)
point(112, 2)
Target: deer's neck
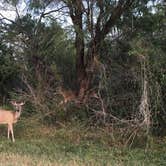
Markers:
point(17, 115)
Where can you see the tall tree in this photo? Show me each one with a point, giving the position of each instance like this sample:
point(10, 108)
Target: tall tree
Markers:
point(94, 19)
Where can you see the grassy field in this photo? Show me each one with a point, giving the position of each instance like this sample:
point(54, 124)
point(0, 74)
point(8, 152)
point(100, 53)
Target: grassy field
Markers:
point(38, 145)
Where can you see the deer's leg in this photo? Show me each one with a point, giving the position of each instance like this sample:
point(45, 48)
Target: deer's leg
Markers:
point(11, 130)
point(8, 132)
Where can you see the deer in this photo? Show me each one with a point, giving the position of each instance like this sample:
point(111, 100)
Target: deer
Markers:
point(11, 117)
point(67, 95)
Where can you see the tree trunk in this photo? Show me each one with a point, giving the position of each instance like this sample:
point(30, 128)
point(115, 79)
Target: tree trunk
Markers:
point(86, 73)
point(80, 63)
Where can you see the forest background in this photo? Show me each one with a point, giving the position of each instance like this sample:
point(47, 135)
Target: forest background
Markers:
point(93, 66)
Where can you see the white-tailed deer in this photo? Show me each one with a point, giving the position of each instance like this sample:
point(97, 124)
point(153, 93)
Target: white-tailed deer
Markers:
point(68, 95)
point(10, 117)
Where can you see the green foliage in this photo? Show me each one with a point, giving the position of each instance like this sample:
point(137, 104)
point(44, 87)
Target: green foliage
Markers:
point(145, 44)
point(9, 71)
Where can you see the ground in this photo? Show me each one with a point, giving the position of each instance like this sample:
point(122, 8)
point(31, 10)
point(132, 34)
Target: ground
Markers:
point(74, 145)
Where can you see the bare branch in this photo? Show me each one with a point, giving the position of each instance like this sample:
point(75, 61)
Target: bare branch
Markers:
point(54, 11)
point(7, 19)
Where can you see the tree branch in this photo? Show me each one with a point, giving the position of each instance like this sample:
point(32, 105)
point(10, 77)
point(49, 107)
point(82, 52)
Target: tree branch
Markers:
point(53, 11)
point(7, 19)
point(116, 13)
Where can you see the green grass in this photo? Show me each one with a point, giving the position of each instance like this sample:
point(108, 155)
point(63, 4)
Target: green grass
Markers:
point(73, 145)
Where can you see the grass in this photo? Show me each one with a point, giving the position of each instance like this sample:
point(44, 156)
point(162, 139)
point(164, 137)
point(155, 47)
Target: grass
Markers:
point(73, 145)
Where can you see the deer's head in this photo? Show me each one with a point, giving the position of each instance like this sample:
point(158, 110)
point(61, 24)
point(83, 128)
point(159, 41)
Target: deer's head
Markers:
point(18, 106)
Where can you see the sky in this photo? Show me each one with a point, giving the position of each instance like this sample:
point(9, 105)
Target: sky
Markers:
point(10, 13)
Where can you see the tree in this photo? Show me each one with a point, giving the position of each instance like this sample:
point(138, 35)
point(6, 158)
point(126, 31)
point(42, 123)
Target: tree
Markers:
point(94, 19)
